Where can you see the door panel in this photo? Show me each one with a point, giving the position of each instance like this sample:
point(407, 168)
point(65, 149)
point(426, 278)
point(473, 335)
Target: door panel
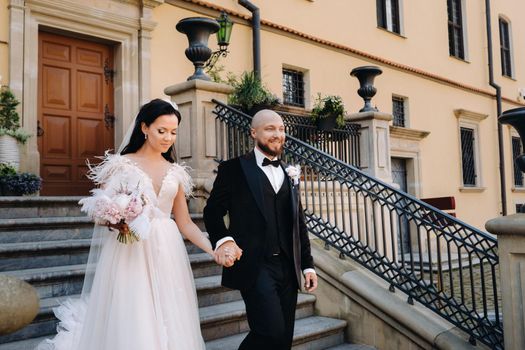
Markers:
point(72, 97)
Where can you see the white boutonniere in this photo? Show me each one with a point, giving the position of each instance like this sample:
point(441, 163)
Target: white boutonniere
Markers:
point(294, 172)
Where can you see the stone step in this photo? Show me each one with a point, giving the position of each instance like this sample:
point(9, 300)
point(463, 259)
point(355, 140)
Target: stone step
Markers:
point(216, 321)
point(38, 229)
point(45, 229)
point(227, 319)
point(352, 347)
point(44, 323)
point(39, 206)
point(210, 291)
point(311, 333)
point(27, 344)
point(30, 255)
point(58, 281)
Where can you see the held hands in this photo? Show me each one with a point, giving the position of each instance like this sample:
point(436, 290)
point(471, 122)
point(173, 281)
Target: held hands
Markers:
point(227, 254)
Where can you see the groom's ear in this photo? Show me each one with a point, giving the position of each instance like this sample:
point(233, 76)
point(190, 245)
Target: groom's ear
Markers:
point(252, 133)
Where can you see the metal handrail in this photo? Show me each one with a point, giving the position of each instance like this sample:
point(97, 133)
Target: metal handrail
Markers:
point(445, 264)
point(340, 142)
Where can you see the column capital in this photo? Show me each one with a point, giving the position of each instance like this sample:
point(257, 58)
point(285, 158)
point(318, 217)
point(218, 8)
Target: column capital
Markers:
point(198, 84)
point(363, 116)
point(507, 225)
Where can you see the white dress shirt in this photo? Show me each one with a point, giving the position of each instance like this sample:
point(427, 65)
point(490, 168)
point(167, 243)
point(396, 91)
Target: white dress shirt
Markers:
point(276, 177)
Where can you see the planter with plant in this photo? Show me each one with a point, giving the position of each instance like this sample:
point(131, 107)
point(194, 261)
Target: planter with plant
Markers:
point(329, 112)
point(17, 184)
point(10, 132)
point(250, 95)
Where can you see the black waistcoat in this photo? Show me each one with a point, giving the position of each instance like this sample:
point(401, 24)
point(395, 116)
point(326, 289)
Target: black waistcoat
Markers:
point(278, 214)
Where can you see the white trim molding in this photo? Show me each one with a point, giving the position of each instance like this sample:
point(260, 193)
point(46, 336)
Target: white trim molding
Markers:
point(471, 120)
point(127, 29)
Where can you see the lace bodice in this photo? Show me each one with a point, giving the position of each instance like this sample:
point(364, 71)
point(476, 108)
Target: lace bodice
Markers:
point(116, 170)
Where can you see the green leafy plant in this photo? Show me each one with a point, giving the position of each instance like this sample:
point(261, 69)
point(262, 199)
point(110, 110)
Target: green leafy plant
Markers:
point(6, 170)
point(329, 106)
point(20, 184)
point(9, 119)
point(249, 92)
point(19, 134)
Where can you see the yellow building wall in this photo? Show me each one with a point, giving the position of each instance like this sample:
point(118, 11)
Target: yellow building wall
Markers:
point(4, 48)
point(423, 45)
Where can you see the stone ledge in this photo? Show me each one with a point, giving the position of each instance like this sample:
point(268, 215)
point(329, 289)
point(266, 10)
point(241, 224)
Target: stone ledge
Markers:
point(507, 225)
point(198, 84)
point(414, 322)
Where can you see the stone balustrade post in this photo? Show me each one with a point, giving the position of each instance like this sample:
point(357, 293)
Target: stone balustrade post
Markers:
point(374, 143)
point(196, 143)
point(511, 249)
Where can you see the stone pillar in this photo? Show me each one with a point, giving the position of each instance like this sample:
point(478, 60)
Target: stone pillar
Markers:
point(511, 248)
point(374, 143)
point(196, 138)
point(16, 47)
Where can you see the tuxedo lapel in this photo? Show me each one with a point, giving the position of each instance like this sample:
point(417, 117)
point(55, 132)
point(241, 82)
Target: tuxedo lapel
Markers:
point(253, 178)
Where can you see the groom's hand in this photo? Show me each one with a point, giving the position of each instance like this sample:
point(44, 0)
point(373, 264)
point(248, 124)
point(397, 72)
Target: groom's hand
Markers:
point(227, 253)
point(310, 281)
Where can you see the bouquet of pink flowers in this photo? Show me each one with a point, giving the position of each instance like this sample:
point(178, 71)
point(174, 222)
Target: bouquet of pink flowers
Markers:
point(122, 209)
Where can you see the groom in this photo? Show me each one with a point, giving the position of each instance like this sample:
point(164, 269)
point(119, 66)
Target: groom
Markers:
point(266, 224)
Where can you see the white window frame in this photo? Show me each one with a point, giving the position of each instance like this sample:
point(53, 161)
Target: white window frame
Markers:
point(306, 83)
point(514, 188)
point(471, 120)
point(511, 47)
point(389, 25)
point(406, 109)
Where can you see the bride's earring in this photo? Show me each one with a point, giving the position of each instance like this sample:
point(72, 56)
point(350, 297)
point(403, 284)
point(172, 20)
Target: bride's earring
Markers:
point(145, 136)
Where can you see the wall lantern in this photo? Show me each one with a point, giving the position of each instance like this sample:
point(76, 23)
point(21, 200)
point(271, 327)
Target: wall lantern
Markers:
point(223, 39)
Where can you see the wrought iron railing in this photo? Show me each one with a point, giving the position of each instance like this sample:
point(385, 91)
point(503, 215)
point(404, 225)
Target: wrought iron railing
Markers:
point(341, 142)
point(449, 266)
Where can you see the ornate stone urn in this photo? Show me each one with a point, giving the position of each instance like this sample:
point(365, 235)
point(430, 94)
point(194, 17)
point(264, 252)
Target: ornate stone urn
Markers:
point(516, 118)
point(198, 30)
point(366, 76)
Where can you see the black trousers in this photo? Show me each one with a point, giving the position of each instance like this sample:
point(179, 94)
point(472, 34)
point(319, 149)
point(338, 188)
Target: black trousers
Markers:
point(270, 306)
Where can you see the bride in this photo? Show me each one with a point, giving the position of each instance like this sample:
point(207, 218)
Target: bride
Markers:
point(140, 296)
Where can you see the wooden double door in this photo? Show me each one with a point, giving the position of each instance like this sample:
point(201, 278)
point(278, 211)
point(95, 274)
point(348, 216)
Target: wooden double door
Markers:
point(75, 111)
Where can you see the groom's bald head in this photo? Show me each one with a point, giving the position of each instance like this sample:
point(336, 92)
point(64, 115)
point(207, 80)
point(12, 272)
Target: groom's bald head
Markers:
point(265, 116)
point(267, 130)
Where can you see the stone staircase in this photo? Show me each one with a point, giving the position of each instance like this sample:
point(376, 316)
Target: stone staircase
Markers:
point(45, 241)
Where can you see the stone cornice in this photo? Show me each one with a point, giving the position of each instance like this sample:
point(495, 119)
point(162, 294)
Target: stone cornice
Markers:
point(469, 115)
point(408, 134)
point(17, 4)
point(80, 13)
point(348, 50)
point(361, 116)
point(146, 3)
point(198, 85)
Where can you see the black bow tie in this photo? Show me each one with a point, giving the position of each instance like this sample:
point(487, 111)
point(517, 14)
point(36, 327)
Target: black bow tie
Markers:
point(275, 163)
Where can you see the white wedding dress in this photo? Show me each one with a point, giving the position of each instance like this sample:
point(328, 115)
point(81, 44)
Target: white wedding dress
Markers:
point(138, 296)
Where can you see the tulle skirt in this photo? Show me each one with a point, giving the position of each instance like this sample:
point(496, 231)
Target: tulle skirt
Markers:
point(143, 298)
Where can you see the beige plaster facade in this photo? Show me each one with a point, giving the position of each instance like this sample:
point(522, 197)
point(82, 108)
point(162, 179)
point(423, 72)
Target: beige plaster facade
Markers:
point(325, 40)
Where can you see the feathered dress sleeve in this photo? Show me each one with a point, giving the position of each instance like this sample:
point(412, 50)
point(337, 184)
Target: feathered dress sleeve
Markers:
point(182, 173)
point(104, 171)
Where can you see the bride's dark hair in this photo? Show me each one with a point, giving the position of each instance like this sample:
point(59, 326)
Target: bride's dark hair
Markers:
point(147, 115)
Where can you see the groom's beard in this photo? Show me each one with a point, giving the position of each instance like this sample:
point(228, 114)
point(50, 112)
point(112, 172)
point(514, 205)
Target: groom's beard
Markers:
point(267, 150)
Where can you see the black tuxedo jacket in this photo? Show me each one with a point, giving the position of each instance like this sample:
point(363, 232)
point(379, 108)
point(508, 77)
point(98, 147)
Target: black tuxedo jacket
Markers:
point(237, 191)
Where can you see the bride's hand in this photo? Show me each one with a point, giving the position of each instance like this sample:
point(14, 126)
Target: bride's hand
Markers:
point(227, 254)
